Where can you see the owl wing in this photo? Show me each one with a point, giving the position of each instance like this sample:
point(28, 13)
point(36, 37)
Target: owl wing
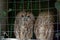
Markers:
point(16, 28)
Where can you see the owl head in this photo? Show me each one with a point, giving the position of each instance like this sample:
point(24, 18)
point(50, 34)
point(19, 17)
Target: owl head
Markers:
point(25, 16)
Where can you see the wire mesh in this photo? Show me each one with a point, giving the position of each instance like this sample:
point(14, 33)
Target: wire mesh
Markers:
point(34, 6)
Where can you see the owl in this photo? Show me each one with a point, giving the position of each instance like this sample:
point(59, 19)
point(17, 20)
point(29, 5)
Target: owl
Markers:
point(23, 26)
point(44, 28)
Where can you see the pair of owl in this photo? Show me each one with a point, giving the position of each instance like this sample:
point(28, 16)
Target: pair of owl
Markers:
point(43, 26)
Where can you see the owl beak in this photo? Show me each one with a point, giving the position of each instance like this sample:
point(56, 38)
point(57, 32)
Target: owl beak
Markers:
point(25, 18)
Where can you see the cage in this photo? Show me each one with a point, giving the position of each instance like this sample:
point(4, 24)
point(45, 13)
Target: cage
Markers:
point(40, 10)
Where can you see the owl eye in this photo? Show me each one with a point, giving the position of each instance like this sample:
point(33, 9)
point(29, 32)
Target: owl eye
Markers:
point(22, 16)
point(28, 16)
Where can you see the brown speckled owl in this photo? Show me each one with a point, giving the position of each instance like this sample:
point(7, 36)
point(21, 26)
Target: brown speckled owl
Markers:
point(44, 27)
point(23, 27)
